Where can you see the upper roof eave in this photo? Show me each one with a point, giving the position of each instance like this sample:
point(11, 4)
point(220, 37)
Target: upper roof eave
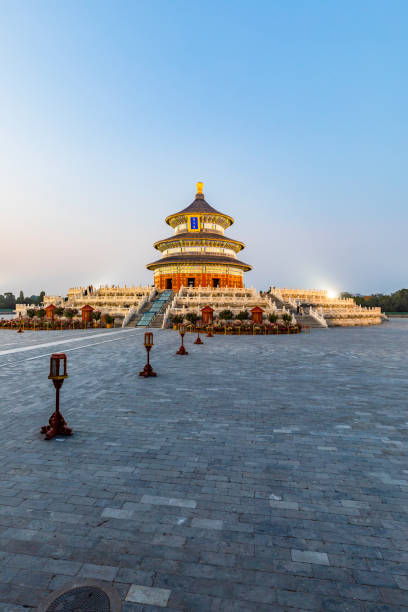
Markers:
point(201, 207)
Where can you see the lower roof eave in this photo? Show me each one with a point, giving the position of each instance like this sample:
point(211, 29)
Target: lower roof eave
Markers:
point(194, 261)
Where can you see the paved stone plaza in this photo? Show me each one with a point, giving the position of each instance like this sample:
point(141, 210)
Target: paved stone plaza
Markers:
point(256, 473)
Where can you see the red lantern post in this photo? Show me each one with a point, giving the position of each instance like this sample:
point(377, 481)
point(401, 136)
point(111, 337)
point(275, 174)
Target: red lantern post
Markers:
point(182, 350)
point(58, 373)
point(148, 342)
point(20, 324)
point(198, 340)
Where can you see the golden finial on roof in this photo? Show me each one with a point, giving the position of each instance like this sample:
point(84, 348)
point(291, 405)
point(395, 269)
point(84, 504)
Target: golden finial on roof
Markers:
point(200, 187)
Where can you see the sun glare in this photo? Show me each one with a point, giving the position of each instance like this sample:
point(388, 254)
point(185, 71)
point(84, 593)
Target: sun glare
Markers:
point(331, 293)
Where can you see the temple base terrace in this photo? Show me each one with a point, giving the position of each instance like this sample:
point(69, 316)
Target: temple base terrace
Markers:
point(129, 305)
point(249, 475)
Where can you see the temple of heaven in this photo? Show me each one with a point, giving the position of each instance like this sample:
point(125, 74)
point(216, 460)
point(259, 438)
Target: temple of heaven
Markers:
point(199, 255)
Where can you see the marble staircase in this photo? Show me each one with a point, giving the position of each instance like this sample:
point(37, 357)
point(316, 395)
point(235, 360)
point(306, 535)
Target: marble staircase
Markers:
point(153, 315)
point(307, 319)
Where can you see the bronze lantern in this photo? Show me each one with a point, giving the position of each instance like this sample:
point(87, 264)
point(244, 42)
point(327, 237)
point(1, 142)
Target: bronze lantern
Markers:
point(58, 373)
point(182, 350)
point(148, 343)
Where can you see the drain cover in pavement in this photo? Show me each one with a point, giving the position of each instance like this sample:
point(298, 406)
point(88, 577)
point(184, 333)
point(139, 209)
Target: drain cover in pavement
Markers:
point(81, 599)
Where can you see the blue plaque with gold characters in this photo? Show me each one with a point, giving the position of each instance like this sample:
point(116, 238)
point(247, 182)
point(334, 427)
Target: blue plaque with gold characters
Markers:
point(193, 223)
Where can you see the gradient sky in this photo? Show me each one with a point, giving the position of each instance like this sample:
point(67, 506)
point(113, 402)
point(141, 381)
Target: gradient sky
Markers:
point(294, 114)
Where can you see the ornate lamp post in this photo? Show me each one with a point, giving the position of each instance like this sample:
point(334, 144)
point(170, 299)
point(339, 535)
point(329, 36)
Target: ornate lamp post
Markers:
point(20, 325)
point(148, 342)
point(58, 373)
point(198, 340)
point(182, 350)
point(210, 331)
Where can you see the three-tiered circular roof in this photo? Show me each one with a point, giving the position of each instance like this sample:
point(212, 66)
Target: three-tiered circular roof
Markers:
point(209, 237)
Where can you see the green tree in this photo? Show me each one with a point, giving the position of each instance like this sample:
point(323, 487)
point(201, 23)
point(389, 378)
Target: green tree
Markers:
point(287, 318)
point(20, 299)
point(243, 315)
point(7, 300)
point(40, 313)
point(70, 313)
point(176, 319)
point(395, 302)
point(272, 318)
point(226, 315)
point(192, 317)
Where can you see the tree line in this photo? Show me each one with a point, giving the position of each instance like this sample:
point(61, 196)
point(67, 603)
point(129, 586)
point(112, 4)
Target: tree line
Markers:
point(395, 302)
point(8, 299)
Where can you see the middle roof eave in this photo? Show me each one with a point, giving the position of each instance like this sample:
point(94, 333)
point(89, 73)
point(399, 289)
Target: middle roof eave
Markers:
point(199, 236)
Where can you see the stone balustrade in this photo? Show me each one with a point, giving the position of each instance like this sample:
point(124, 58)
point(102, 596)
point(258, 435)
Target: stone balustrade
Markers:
point(189, 299)
point(336, 311)
point(109, 300)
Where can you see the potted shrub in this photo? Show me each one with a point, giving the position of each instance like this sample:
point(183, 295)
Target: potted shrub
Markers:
point(242, 316)
point(192, 318)
point(287, 319)
point(226, 315)
point(176, 320)
point(109, 320)
point(96, 316)
point(70, 313)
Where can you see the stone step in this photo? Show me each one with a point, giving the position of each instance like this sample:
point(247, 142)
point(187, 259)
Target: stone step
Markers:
point(307, 320)
point(155, 310)
point(157, 321)
point(134, 320)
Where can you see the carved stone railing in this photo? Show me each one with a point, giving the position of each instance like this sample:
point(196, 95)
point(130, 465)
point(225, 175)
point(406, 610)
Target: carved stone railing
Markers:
point(135, 310)
point(318, 316)
point(166, 316)
point(277, 294)
point(128, 316)
point(292, 302)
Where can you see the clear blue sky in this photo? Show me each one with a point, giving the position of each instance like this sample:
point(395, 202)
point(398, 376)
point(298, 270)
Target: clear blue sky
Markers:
point(294, 114)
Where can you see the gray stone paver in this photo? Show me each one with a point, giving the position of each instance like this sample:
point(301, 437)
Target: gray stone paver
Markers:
point(148, 595)
point(207, 523)
point(101, 572)
point(310, 556)
point(254, 474)
point(167, 501)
